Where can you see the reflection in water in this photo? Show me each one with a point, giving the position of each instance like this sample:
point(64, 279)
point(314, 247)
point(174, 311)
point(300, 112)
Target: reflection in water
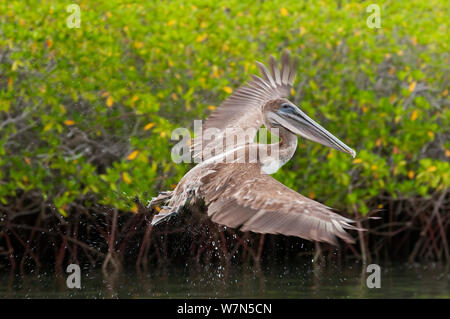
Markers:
point(293, 281)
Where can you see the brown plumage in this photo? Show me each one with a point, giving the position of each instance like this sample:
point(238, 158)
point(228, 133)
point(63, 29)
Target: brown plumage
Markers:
point(242, 110)
point(238, 190)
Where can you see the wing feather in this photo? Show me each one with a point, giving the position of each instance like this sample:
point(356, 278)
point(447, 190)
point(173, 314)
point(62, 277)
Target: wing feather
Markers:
point(239, 195)
point(242, 110)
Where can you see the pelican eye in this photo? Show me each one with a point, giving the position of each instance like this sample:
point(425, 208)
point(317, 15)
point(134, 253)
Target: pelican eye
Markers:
point(287, 107)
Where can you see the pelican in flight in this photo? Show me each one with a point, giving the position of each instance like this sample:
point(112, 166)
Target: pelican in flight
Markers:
point(240, 193)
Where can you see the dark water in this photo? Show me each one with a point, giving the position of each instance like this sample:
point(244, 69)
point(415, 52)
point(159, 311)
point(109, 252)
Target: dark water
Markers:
point(293, 281)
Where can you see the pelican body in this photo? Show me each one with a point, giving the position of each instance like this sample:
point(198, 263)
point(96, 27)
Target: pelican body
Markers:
point(235, 183)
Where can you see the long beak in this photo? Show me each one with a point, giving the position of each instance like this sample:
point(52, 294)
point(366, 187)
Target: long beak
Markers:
point(301, 124)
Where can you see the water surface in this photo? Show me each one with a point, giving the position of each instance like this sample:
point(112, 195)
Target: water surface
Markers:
point(293, 281)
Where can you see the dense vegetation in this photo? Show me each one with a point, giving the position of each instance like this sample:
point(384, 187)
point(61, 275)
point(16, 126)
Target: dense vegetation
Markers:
point(86, 114)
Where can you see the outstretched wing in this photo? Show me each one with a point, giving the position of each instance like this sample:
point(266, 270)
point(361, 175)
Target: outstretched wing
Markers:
point(238, 195)
point(242, 110)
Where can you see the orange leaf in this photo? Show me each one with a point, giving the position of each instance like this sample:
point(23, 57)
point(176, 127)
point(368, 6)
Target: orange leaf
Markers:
point(201, 38)
point(432, 169)
point(132, 155)
point(392, 99)
point(69, 122)
point(109, 101)
point(126, 178)
point(395, 150)
point(149, 126)
point(379, 142)
point(228, 90)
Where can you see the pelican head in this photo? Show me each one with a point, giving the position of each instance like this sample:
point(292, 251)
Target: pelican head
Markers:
point(281, 113)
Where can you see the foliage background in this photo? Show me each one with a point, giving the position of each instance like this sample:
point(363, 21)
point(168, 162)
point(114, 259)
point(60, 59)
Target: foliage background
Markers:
point(86, 114)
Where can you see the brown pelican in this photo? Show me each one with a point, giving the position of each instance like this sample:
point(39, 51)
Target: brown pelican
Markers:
point(240, 193)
